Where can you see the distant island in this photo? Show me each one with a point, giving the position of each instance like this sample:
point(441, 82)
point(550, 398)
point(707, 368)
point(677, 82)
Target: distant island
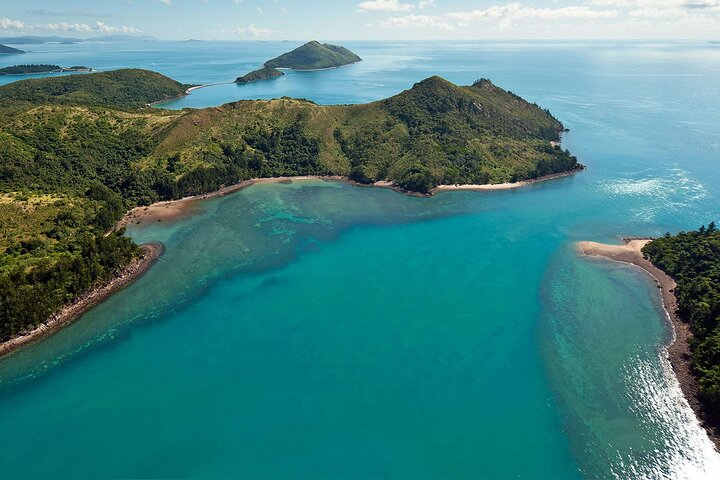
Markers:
point(79, 151)
point(4, 49)
point(36, 69)
point(311, 56)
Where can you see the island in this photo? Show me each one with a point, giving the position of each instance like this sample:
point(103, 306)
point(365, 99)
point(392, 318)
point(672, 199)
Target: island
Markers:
point(314, 56)
point(686, 267)
point(265, 73)
point(311, 56)
point(79, 151)
point(37, 69)
point(4, 49)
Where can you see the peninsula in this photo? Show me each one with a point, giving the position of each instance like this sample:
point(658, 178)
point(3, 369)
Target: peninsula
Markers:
point(686, 268)
point(4, 49)
point(37, 69)
point(78, 151)
point(311, 56)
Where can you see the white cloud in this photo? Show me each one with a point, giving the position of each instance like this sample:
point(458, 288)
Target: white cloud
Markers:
point(65, 27)
point(253, 31)
point(426, 4)
point(101, 27)
point(384, 6)
point(418, 21)
point(10, 24)
point(166, 2)
point(654, 12)
point(514, 11)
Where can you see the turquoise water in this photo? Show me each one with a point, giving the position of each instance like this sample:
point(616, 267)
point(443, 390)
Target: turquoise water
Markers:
point(316, 329)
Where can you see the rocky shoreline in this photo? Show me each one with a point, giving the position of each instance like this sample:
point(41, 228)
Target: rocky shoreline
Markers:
point(69, 313)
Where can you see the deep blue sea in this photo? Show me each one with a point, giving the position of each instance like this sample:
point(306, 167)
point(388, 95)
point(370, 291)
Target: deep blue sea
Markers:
point(321, 330)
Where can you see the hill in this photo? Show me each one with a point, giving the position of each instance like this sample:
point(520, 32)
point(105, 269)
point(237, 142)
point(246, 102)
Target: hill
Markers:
point(29, 69)
point(129, 88)
point(314, 56)
point(265, 73)
point(76, 152)
point(5, 49)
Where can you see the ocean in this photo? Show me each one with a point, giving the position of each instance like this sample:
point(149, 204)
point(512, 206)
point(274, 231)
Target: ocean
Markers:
point(320, 330)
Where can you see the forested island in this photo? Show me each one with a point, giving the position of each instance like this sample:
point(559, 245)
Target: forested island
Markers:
point(5, 49)
point(265, 73)
point(311, 56)
point(42, 68)
point(314, 56)
point(693, 260)
point(78, 151)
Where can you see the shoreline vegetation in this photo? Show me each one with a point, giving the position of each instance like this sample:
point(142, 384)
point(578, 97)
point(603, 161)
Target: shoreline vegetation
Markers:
point(96, 295)
point(179, 208)
point(678, 350)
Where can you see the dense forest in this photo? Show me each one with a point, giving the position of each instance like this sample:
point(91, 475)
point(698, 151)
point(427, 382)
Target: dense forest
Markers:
point(78, 151)
point(28, 69)
point(693, 260)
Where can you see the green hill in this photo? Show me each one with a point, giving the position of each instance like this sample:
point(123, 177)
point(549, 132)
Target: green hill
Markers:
point(30, 69)
point(265, 73)
point(6, 49)
point(128, 88)
point(313, 56)
point(76, 152)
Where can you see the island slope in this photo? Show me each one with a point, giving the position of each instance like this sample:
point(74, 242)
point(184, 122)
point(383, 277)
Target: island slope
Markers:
point(314, 56)
point(4, 49)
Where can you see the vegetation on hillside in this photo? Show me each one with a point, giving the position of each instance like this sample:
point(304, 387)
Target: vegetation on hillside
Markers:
point(313, 56)
point(128, 88)
point(6, 49)
point(265, 73)
point(693, 260)
point(41, 68)
point(78, 151)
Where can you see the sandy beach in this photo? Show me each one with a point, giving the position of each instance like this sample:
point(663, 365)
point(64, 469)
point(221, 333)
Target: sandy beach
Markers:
point(506, 186)
point(679, 350)
point(69, 313)
point(175, 209)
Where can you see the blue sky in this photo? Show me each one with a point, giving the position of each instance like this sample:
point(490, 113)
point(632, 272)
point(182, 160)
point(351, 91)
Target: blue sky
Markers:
point(365, 19)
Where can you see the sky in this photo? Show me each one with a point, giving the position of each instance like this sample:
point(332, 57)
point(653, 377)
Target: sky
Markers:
point(365, 19)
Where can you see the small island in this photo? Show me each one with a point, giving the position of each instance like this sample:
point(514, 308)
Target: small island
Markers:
point(42, 68)
point(314, 56)
point(265, 73)
point(4, 49)
point(311, 56)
